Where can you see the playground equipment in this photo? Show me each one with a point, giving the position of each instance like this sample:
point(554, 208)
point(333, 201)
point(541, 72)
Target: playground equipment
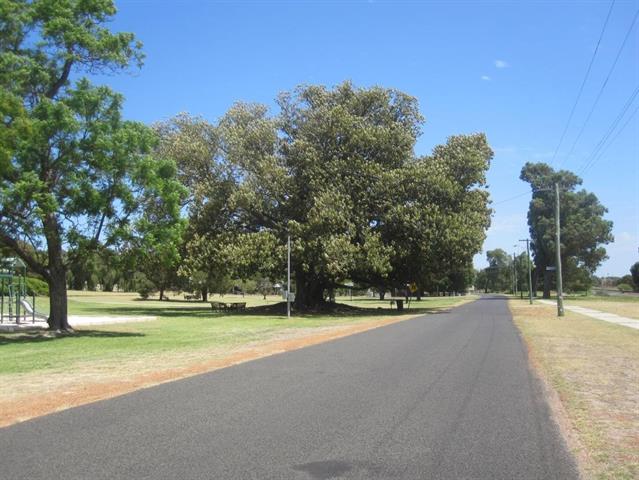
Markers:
point(14, 303)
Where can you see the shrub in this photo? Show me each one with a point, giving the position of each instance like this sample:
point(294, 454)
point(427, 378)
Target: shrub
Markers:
point(624, 287)
point(35, 286)
point(143, 285)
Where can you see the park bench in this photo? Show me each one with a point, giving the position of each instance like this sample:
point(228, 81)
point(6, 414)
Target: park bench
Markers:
point(222, 306)
point(399, 301)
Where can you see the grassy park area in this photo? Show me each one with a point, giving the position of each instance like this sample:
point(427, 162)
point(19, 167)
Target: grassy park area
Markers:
point(179, 326)
point(593, 366)
point(185, 338)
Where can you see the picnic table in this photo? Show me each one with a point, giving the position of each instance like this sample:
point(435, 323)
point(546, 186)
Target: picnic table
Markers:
point(399, 301)
point(224, 306)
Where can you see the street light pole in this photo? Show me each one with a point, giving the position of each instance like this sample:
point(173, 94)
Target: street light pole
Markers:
point(560, 299)
point(288, 281)
point(530, 292)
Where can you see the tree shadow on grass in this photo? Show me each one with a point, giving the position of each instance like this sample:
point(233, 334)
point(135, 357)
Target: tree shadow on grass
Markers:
point(135, 311)
point(47, 336)
point(341, 310)
point(277, 309)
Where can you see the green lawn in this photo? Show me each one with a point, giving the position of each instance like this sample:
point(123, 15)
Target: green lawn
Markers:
point(129, 304)
point(180, 328)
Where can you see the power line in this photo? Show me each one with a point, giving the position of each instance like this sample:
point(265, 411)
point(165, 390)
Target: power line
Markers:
point(590, 159)
point(603, 86)
point(619, 132)
point(512, 198)
point(583, 83)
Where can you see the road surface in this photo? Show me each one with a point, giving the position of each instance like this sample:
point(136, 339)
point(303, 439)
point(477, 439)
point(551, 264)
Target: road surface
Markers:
point(444, 396)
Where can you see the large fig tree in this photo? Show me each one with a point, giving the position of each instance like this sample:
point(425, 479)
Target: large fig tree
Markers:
point(335, 169)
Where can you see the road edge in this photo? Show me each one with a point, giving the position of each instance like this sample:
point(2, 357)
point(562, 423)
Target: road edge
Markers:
point(22, 410)
point(558, 412)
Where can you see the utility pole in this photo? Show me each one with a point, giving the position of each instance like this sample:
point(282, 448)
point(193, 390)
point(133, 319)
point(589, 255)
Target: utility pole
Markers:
point(288, 281)
point(515, 272)
point(530, 293)
point(560, 299)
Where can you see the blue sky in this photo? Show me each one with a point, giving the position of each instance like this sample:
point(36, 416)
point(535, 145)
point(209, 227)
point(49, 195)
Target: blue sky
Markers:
point(509, 69)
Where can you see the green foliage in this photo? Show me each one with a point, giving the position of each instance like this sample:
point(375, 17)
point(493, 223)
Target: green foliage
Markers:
point(35, 286)
point(499, 273)
point(74, 172)
point(624, 287)
point(576, 278)
point(158, 232)
point(627, 279)
point(335, 169)
point(143, 285)
point(521, 265)
point(634, 271)
point(583, 228)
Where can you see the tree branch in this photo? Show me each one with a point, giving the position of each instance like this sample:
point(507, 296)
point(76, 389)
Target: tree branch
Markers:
point(66, 71)
point(24, 255)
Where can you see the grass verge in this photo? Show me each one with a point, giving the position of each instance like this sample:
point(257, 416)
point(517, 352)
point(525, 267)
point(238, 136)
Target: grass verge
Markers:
point(594, 368)
point(624, 306)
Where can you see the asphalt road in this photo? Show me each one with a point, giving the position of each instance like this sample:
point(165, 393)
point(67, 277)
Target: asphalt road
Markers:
point(444, 396)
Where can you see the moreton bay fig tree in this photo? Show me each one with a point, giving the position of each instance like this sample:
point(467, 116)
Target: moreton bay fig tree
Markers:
point(336, 170)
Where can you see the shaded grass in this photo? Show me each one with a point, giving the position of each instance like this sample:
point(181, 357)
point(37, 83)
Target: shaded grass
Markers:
point(129, 304)
point(593, 365)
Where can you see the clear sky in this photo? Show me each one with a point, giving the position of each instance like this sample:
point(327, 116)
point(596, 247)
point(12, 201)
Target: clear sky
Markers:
point(510, 69)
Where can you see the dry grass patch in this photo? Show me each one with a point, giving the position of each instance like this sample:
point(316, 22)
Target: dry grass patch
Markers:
point(594, 367)
point(625, 309)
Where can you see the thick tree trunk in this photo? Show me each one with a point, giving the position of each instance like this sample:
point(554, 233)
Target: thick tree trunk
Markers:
point(162, 293)
point(205, 294)
point(382, 293)
point(546, 284)
point(58, 319)
point(309, 293)
point(57, 276)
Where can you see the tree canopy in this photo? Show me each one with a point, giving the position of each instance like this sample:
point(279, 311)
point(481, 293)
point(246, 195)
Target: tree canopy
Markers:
point(75, 171)
point(335, 169)
point(584, 230)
